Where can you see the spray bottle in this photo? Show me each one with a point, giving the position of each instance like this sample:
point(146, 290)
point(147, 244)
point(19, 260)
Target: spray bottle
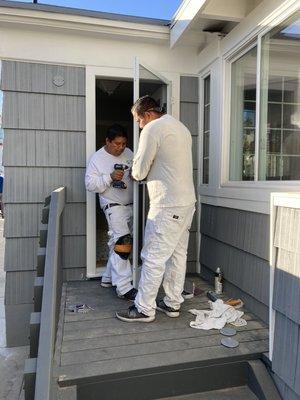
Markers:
point(218, 281)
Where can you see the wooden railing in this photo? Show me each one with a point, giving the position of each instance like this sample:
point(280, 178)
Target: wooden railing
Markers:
point(48, 287)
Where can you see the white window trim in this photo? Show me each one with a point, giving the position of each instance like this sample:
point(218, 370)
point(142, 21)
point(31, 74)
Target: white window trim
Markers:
point(204, 74)
point(261, 188)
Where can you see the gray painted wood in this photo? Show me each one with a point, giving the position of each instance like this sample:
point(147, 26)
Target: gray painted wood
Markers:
point(285, 355)
point(66, 113)
point(74, 219)
point(98, 344)
point(44, 148)
point(236, 393)
point(22, 220)
point(287, 230)
point(35, 320)
point(189, 116)
point(244, 270)
point(38, 290)
point(39, 111)
point(74, 251)
point(17, 324)
point(189, 87)
point(29, 378)
point(23, 110)
point(74, 274)
point(38, 78)
point(32, 185)
point(286, 392)
point(286, 297)
point(192, 248)
point(245, 230)
point(21, 254)
point(51, 298)
point(19, 287)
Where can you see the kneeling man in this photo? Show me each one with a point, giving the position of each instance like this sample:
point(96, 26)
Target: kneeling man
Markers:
point(108, 175)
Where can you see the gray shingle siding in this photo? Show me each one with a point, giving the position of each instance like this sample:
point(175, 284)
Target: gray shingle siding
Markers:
point(286, 300)
point(189, 104)
point(44, 148)
point(238, 242)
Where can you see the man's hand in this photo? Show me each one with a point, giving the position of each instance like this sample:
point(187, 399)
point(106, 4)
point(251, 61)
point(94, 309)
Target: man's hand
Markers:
point(117, 175)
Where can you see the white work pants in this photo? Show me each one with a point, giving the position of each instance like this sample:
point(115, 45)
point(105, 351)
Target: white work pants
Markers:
point(118, 271)
point(164, 257)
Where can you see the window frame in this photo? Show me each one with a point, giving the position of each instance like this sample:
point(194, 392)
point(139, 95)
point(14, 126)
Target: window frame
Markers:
point(227, 60)
point(202, 76)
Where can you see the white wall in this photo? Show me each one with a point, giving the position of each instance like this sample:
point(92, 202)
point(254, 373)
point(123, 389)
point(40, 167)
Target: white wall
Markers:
point(94, 50)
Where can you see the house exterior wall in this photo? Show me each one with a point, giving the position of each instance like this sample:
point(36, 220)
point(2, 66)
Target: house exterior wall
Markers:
point(235, 220)
point(44, 143)
point(286, 353)
point(238, 242)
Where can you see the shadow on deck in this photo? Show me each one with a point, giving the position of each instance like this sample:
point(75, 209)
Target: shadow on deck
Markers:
point(98, 356)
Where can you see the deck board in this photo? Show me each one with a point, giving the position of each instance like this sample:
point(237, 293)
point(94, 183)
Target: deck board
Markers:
point(96, 344)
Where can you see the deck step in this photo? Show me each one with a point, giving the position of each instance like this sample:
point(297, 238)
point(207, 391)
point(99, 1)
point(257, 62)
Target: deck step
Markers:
point(237, 393)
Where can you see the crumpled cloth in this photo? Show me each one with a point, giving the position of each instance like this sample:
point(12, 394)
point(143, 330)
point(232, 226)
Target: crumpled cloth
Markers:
point(217, 317)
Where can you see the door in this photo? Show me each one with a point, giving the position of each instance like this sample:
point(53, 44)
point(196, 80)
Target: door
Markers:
point(146, 81)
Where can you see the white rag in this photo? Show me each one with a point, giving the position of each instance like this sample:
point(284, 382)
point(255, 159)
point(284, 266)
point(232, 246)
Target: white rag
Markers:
point(217, 317)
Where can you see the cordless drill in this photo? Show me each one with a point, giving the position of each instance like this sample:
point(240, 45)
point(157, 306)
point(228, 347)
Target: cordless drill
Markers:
point(120, 184)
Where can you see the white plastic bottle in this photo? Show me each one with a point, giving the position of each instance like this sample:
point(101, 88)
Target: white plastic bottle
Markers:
point(218, 281)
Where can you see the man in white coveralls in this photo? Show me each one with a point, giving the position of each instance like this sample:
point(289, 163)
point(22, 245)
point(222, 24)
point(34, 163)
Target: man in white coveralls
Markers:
point(108, 174)
point(164, 156)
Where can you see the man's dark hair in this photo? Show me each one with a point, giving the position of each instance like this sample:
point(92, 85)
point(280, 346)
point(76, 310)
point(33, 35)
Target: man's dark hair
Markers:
point(114, 131)
point(144, 104)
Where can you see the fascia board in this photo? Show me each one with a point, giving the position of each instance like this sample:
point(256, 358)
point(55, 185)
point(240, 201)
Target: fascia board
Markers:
point(82, 23)
point(183, 18)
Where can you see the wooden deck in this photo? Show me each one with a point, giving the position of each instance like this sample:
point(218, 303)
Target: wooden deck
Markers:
point(96, 346)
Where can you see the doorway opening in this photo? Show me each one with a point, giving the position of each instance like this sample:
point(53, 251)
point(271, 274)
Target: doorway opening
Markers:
point(114, 99)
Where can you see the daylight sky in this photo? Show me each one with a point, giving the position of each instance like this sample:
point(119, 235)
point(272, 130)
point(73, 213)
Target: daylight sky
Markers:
point(163, 9)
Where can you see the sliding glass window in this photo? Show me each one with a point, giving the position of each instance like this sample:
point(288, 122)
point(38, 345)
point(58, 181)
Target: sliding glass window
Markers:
point(279, 150)
point(242, 118)
point(277, 137)
point(206, 130)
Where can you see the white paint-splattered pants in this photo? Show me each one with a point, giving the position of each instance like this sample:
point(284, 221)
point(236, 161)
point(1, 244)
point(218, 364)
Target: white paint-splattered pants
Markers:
point(164, 257)
point(118, 271)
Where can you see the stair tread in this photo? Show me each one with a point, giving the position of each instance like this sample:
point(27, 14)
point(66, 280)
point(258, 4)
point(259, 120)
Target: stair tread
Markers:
point(236, 393)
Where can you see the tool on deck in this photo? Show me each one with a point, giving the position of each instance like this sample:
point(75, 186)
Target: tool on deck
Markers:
point(212, 296)
point(120, 184)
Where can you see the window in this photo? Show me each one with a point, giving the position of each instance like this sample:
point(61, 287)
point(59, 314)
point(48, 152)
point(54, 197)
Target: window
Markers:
point(206, 131)
point(242, 119)
point(278, 130)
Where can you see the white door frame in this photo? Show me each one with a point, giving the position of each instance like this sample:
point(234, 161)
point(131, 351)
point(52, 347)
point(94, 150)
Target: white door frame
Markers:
point(92, 73)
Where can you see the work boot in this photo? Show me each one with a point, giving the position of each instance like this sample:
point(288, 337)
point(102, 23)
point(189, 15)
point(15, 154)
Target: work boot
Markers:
point(169, 311)
point(133, 315)
point(130, 295)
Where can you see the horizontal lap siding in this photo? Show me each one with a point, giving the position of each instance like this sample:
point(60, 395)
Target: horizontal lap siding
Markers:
point(238, 242)
point(44, 148)
point(189, 99)
point(286, 300)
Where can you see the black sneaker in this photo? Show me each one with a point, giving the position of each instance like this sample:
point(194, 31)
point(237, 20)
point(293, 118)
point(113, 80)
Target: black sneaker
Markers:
point(132, 315)
point(130, 295)
point(170, 312)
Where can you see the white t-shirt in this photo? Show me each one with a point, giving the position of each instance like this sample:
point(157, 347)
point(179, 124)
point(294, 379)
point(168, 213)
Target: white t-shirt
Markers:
point(98, 179)
point(164, 156)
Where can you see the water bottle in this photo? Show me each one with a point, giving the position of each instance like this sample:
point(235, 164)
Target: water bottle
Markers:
point(218, 281)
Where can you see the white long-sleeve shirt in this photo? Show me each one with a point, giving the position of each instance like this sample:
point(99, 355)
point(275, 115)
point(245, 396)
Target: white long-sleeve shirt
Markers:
point(98, 179)
point(164, 156)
